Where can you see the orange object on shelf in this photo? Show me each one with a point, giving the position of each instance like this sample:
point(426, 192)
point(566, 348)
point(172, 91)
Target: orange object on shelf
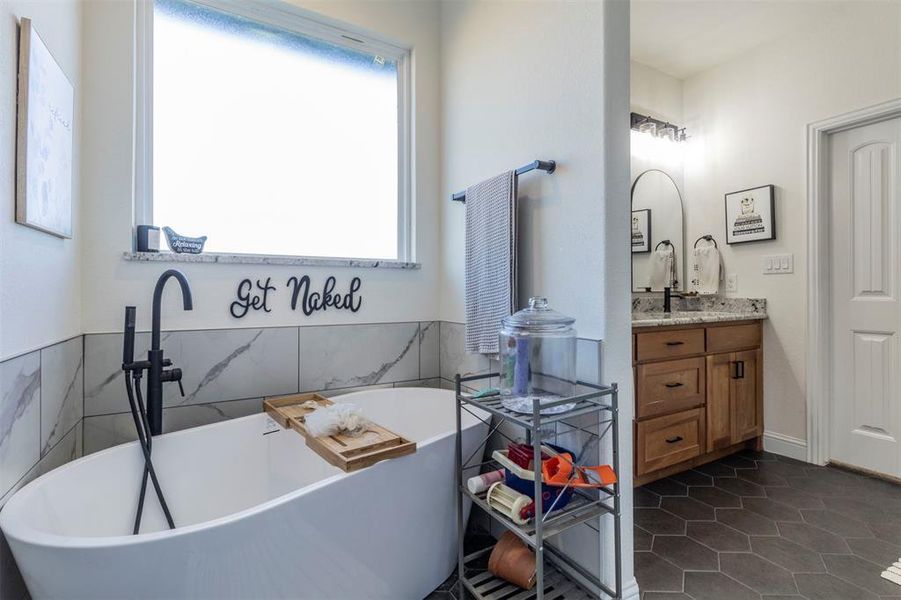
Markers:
point(553, 472)
point(557, 470)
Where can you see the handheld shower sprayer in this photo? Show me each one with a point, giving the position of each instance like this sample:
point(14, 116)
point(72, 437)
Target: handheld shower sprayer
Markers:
point(128, 349)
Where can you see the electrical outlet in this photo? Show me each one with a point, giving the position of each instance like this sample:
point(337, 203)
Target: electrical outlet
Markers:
point(731, 282)
point(778, 264)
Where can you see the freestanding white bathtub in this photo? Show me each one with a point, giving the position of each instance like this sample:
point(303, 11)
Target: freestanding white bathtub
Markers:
point(258, 515)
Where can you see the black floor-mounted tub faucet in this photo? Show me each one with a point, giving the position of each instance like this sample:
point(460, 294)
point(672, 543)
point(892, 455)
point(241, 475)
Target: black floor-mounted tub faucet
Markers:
point(157, 373)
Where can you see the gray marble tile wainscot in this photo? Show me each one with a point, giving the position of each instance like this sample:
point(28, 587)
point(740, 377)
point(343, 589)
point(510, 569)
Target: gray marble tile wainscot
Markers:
point(218, 365)
point(340, 356)
point(20, 417)
point(228, 372)
point(62, 390)
point(41, 402)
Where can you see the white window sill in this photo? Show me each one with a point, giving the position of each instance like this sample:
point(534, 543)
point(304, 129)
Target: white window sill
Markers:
point(265, 259)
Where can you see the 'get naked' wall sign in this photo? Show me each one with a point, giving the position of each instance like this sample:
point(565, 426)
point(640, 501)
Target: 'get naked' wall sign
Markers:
point(256, 295)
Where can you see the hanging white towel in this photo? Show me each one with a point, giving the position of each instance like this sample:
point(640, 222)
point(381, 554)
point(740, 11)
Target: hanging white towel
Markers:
point(705, 270)
point(662, 268)
point(490, 260)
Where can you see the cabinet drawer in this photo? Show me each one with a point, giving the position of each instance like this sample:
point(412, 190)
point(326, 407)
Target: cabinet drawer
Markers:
point(669, 344)
point(733, 337)
point(671, 386)
point(669, 440)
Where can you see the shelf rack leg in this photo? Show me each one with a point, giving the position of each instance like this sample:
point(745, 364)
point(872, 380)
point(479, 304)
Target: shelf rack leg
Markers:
point(539, 512)
point(617, 516)
point(458, 461)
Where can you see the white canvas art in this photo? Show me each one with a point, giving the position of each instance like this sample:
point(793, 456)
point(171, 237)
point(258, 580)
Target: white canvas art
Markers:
point(44, 138)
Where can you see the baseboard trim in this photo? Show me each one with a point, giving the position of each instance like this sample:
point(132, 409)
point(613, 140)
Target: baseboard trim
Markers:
point(785, 445)
point(631, 591)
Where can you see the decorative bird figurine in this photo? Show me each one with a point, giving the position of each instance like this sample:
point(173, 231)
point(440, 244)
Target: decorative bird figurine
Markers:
point(181, 244)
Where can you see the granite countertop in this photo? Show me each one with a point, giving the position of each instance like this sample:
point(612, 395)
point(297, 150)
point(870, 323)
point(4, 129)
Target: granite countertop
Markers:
point(648, 311)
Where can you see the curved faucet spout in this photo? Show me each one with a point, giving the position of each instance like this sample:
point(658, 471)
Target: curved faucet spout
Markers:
point(187, 302)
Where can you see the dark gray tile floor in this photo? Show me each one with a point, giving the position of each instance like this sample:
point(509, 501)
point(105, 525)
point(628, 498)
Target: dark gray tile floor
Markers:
point(759, 526)
point(476, 539)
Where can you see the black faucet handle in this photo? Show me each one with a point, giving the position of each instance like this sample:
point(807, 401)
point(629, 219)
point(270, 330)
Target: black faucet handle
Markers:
point(173, 375)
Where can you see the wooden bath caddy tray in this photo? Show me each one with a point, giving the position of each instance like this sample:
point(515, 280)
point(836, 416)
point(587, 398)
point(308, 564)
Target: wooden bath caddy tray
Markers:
point(345, 452)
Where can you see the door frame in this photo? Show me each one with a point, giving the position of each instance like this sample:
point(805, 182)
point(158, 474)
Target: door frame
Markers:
point(819, 271)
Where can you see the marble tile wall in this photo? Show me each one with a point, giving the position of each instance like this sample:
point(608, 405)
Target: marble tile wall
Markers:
point(227, 372)
point(41, 404)
point(48, 393)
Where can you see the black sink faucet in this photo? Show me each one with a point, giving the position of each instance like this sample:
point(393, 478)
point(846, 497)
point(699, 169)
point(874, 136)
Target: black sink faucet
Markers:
point(157, 374)
point(668, 296)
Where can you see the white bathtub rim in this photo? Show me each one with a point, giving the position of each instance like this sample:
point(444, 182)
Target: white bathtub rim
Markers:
point(29, 535)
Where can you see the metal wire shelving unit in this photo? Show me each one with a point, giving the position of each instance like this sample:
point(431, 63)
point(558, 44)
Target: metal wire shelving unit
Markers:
point(558, 575)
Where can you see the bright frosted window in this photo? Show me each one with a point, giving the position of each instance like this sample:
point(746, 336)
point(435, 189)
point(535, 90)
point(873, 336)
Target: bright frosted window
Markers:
point(270, 141)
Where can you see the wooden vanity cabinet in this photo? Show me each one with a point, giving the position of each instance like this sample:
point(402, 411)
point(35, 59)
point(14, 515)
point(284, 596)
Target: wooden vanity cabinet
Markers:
point(698, 395)
point(733, 414)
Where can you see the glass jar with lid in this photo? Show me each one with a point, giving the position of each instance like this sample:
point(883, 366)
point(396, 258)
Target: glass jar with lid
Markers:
point(537, 355)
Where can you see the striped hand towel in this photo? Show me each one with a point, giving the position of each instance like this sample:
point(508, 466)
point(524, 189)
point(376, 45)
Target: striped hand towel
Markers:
point(490, 260)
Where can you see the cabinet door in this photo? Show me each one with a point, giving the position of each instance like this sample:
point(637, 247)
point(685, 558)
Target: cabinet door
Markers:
point(719, 411)
point(746, 394)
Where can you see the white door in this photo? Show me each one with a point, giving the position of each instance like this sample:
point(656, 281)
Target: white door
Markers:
point(866, 283)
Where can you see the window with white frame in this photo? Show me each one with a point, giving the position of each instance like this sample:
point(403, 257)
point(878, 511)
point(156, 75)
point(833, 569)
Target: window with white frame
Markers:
point(273, 132)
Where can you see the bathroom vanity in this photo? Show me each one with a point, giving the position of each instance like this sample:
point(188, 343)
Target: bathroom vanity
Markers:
point(698, 387)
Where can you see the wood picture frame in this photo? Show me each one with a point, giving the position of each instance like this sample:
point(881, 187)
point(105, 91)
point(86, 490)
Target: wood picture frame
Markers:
point(44, 138)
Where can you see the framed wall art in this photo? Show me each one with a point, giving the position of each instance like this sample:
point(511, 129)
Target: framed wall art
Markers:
point(46, 108)
point(751, 215)
point(641, 231)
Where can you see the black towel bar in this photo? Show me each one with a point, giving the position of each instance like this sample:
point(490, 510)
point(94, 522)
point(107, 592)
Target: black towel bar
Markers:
point(541, 165)
point(664, 243)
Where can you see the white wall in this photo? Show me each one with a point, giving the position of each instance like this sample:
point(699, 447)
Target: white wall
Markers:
point(111, 282)
point(655, 93)
point(747, 120)
point(40, 274)
point(522, 81)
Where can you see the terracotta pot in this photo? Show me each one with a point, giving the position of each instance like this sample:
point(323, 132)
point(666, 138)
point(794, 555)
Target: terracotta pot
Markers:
point(513, 561)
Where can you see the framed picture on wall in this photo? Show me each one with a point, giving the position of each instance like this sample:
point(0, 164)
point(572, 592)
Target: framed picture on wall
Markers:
point(641, 231)
point(44, 138)
point(751, 215)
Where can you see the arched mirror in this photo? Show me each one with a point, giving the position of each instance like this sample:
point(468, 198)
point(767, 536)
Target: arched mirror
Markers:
point(658, 240)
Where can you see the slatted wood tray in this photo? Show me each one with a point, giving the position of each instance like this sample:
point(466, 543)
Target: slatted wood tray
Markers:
point(343, 451)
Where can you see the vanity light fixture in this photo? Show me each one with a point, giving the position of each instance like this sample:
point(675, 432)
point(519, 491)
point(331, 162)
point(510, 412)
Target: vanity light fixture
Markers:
point(648, 127)
point(657, 128)
point(668, 132)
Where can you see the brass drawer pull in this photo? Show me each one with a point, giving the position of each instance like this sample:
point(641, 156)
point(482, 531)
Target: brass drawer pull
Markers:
point(676, 343)
point(674, 384)
point(673, 440)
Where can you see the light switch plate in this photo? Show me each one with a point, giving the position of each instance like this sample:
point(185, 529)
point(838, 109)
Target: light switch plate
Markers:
point(778, 264)
point(731, 282)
